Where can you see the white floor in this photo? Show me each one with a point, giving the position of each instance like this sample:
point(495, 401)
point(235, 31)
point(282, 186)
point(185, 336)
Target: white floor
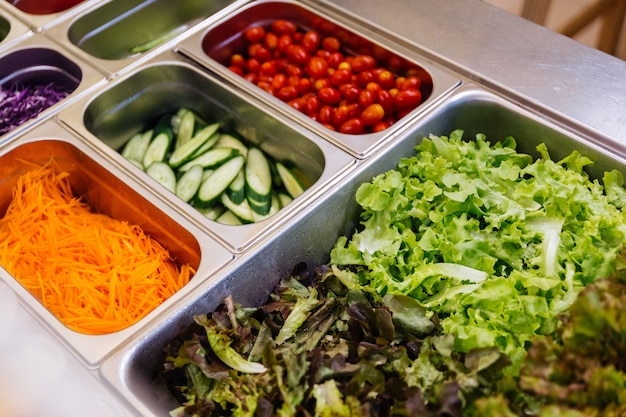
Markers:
point(561, 11)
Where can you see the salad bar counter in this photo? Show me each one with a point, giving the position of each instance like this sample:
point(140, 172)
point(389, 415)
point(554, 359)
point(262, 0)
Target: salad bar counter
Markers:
point(282, 207)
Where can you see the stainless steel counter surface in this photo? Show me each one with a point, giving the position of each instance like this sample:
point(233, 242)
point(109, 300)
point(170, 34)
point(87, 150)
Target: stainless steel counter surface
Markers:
point(540, 68)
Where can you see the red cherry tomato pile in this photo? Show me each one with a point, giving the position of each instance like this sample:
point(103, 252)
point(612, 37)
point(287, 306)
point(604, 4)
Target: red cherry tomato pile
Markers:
point(352, 94)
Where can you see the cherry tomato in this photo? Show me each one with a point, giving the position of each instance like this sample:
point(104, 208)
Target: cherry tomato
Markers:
point(252, 77)
point(317, 67)
point(297, 54)
point(352, 126)
point(260, 52)
point(330, 43)
point(340, 77)
point(329, 95)
point(363, 62)
point(284, 27)
point(321, 83)
point(271, 41)
point(268, 68)
point(253, 65)
point(340, 116)
point(385, 99)
point(303, 86)
point(372, 114)
point(298, 104)
point(386, 79)
point(366, 98)
point(325, 115)
point(382, 125)
point(287, 93)
point(254, 34)
point(311, 41)
point(283, 42)
point(365, 77)
point(279, 80)
point(293, 69)
point(350, 91)
point(412, 81)
point(312, 105)
point(237, 60)
point(407, 99)
point(334, 59)
point(237, 70)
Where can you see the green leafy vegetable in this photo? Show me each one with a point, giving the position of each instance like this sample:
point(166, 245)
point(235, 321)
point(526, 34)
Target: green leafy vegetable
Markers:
point(496, 243)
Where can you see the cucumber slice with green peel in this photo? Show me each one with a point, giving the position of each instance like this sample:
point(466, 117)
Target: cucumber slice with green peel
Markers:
point(241, 210)
point(258, 177)
point(212, 212)
point(290, 181)
point(216, 183)
point(186, 151)
point(137, 146)
point(210, 143)
point(229, 218)
point(183, 127)
point(163, 174)
point(275, 207)
point(189, 183)
point(236, 191)
point(211, 159)
point(229, 141)
point(260, 207)
point(284, 199)
point(157, 149)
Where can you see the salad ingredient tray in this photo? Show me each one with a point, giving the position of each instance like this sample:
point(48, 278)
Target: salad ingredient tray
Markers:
point(183, 67)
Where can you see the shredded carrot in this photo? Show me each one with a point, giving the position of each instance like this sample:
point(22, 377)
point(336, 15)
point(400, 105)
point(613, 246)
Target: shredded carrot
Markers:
point(96, 274)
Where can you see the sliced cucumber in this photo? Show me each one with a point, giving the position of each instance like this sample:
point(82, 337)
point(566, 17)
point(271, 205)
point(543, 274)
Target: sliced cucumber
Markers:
point(284, 199)
point(136, 146)
point(258, 177)
point(236, 191)
point(164, 125)
point(274, 208)
point(259, 207)
point(186, 151)
point(162, 173)
point(207, 145)
point(212, 212)
point(228, 217)
point(229, 141)
point(183, 126)
point(158, 149)
point(241, 210)
point(188, 184)
point(291, 182)
point(211, 159)
point(215, 184)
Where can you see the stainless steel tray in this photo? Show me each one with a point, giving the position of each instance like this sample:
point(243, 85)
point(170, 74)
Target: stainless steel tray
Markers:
point(212, 47)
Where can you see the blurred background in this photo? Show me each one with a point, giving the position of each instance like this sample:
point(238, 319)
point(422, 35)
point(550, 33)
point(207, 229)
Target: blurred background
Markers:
point(600, 24)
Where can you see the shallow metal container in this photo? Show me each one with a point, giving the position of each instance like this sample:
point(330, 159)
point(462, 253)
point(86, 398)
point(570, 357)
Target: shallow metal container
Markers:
point(109, 190)
point(11, 30)
point(117, 34)
point(312, 234)
point(37, 61)
point(213, 47)
point(130, 104)
point(39, 15)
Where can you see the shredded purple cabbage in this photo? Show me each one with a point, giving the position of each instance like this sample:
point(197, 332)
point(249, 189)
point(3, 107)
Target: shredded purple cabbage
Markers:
point(19, 103)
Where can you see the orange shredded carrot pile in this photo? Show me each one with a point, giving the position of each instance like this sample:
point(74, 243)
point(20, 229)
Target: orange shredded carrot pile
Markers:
point(96, 274)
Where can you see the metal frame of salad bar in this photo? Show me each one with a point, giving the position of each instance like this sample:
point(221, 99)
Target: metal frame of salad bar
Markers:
point(482, 71)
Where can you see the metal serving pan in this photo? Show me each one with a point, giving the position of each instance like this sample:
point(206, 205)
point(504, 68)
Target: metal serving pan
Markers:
point(118, 34)
point(213, 46)
point(112, 191)
point(310, 236)
point(39, 15)
point(129, 104)
point(11, 29)
point(37, 61)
